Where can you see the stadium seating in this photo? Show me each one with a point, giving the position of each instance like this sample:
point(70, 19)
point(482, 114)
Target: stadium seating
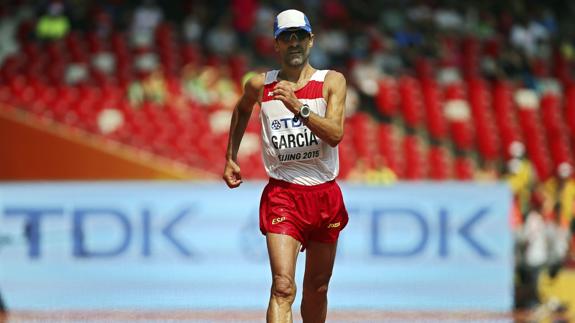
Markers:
point(416, 139)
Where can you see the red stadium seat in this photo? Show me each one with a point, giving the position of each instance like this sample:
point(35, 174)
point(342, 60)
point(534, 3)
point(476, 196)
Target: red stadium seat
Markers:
point(461, 134)
point(463, 168)
point(387, 99)
point(433, 105)
point(438, 163)
point(411, 101)
point(413, 158)
point(388, 147)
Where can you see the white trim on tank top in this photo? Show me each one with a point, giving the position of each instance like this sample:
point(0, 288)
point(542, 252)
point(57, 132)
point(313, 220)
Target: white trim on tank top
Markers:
point(318, 75)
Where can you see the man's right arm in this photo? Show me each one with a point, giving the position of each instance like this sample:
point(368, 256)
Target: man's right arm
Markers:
point(241, 116)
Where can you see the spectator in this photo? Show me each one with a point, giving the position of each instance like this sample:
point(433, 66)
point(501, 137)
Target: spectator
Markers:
point(54, 24)
point(193, 24)
point(408, 36)
point(566, 193)
point(243, 19)
point(546, 18)
point(558, 237)
point(103, 23)
point(335, 44)
point(535, 256)
point(526, 36)
point(380, 174)
point(448, 19)
point(392, 19)
point(155, 87)
point(420, 13)
point(152, 89)
point(521, 176)
point(485, 26)
point(146, 18)
point(210, 86)
point(222, 40)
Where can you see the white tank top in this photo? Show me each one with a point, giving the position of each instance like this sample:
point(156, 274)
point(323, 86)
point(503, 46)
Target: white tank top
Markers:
point(291, 152)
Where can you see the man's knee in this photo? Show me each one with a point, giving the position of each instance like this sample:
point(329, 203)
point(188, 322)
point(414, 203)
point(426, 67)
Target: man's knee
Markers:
point(318, 284)
point(283, 287)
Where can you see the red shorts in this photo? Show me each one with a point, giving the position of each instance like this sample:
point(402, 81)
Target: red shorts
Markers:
point(306, 213)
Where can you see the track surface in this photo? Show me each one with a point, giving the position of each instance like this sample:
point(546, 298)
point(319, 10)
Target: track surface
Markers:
point(347, 316)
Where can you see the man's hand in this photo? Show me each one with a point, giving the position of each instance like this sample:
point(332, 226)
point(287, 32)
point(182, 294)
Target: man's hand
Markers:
point(232, 174)
point(284, 91)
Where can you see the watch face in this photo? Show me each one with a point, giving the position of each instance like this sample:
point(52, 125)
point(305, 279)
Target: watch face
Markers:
point(305, 111)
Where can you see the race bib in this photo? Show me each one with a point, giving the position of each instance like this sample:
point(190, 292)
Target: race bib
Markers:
point(293, 141)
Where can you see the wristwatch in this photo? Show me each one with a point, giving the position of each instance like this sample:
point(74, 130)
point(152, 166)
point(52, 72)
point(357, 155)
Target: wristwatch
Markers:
point(305, 111)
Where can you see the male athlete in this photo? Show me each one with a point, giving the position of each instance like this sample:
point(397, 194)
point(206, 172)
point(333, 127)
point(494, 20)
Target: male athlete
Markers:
point(302, 116)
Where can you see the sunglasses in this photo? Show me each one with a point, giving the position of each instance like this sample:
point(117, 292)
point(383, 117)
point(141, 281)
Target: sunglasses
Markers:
point(300, 35)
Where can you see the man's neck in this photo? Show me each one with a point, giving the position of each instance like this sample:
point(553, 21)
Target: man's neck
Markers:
point(296, 74)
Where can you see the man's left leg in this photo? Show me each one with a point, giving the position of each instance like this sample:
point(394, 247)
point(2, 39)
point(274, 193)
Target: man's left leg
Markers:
point(318, 268)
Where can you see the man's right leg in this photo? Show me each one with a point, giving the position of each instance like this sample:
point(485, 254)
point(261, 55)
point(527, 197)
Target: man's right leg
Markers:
point(283, 251)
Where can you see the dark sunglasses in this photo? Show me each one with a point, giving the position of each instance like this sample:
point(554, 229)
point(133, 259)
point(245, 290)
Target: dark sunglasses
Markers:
point(300, 34)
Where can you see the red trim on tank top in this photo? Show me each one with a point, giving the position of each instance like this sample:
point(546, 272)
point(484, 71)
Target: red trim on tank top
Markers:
point(312, 90)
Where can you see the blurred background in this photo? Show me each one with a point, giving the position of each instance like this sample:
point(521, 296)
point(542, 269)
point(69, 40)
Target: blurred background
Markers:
point(475, 98)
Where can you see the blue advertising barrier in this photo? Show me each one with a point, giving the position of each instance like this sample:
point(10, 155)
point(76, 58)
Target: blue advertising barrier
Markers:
point(177, 245)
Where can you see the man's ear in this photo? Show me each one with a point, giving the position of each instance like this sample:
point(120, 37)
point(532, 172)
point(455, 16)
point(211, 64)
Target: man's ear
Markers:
point(311, 38)
point(276, 46)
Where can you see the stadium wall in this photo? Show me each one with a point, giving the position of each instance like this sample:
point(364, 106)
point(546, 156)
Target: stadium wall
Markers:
point(32, 148)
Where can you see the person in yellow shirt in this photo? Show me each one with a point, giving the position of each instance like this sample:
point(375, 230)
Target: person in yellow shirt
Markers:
point(521, 176)
point(566, 193)
point(560, 190)
point(380, 174)
point(154, 87)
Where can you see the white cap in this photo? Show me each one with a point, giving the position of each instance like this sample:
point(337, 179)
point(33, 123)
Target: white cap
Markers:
point(290, 19)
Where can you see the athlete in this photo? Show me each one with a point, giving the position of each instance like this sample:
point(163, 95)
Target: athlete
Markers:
point(302, 117)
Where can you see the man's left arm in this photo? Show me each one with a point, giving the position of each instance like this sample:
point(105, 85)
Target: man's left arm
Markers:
point(330, 127)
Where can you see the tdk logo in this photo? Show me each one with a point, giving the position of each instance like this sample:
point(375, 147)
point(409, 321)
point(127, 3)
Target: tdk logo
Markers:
point(440, 233)
point(139, 230)
point(286, 123)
